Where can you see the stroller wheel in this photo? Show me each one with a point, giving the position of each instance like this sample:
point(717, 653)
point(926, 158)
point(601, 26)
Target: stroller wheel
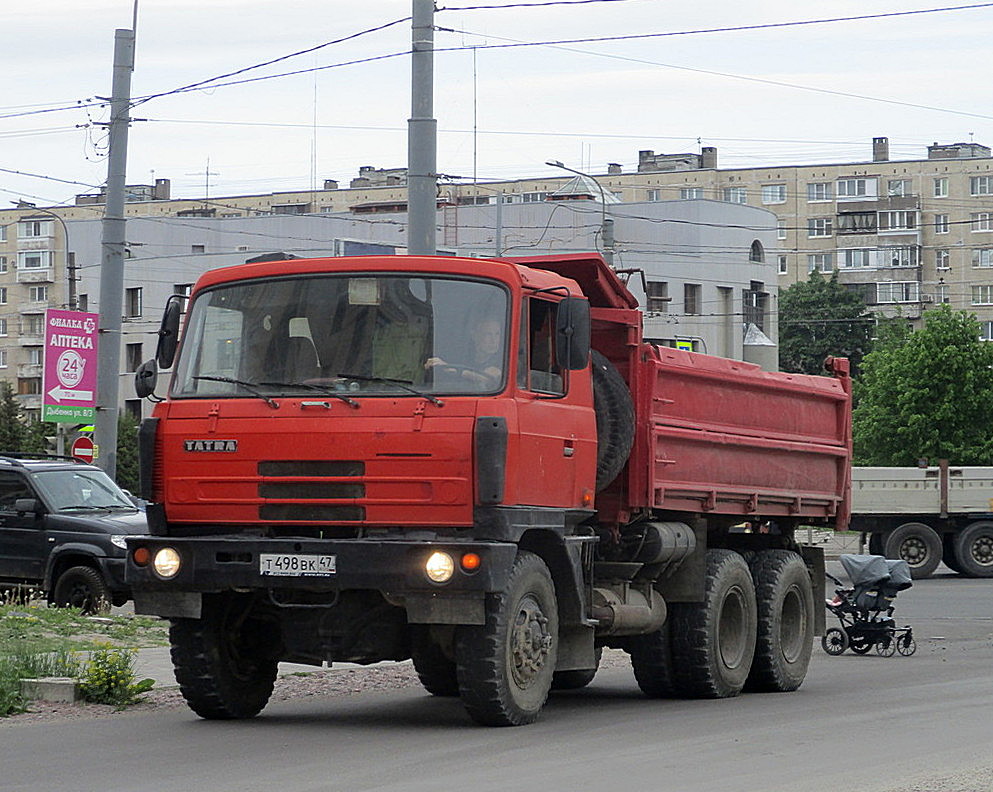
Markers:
point(835, 641)
point(861, 646)
point(886, 646)
point(906, 645)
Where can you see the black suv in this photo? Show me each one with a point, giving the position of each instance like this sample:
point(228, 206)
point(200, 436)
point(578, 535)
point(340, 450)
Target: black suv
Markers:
point(62, 527)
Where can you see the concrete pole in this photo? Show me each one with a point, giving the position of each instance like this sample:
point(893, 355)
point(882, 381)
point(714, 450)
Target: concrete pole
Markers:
point(112, 263)
point(422, 135)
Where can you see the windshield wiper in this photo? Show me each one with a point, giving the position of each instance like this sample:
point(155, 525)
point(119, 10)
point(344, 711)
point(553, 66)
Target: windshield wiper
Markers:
point(320, 389)
point(251, 387)
point(403, 384)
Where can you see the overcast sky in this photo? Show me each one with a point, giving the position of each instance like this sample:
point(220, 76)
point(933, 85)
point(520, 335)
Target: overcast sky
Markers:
point(780, 95)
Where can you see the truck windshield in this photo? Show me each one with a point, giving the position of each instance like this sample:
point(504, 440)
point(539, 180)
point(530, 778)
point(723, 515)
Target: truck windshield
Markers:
point(81, 490)
point(368, 335)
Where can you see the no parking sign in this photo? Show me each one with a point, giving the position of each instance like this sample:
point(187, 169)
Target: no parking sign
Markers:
point(69, 384)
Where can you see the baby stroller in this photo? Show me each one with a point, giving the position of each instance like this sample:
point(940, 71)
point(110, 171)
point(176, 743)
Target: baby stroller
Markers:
point(866, 611)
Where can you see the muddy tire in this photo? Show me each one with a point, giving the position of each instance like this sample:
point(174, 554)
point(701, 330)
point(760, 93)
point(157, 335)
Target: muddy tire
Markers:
point(651, 659)
point(577, 678)
point(974, 550)
point(226, 660)
point(784, 598)
point(614, 410)
point(713, 641)
point(82, 587)
point(434, 668)
point(505, 666)
point(917, 544)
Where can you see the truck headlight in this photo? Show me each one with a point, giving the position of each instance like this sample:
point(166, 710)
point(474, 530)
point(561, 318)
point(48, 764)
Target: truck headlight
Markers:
point(439, 567)
point(166, 562)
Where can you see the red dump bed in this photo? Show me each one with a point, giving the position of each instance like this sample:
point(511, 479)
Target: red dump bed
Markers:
point(722, 436)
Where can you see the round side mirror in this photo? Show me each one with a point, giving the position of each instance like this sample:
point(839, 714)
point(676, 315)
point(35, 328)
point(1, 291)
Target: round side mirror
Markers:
point(145, 379)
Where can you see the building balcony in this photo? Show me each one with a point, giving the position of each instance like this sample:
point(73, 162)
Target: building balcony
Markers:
point(35, 275)
point(31, 339)
point(29, 370)
point(29, 401)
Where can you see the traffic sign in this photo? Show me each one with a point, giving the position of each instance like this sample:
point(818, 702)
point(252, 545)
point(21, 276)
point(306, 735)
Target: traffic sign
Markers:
point(82, 449)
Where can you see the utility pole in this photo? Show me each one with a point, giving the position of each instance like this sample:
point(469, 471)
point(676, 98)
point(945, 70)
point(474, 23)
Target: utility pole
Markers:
point(422, 135)
point(112, 262)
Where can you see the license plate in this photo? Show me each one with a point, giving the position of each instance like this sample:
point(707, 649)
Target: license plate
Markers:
point(296, 565)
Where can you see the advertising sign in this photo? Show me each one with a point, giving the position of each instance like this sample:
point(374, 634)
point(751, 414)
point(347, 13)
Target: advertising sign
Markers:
point(69, 385)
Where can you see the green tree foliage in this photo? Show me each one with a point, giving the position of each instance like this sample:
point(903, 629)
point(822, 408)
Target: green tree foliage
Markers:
point(927, 394)
point(13, 430)
point(820, 317)
point(36, 437)
point(127, 453)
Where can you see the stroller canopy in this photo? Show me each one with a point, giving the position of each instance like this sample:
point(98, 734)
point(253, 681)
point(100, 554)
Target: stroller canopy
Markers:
point(869, 569)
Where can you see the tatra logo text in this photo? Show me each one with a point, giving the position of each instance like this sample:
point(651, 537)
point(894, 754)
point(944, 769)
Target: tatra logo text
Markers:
point(210, 445)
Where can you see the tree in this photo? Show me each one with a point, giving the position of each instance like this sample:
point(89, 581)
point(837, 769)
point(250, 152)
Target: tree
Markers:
point(127, 453)
point(13, 430)
point(820, 317)
point(927, 394)
point(36, 437)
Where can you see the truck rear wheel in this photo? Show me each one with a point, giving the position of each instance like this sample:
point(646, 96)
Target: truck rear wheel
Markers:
point(505, 666)
point(785, 600)
point(614, 410)
point(226, 660)
point(651, 659)
point(917, 544)
point(974, 550)
point(713, 641)
point(434, 668)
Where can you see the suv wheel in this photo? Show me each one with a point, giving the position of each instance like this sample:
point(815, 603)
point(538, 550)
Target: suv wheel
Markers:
point(82, 587)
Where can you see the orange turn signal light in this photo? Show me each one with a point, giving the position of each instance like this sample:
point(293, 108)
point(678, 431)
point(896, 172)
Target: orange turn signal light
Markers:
point(471, 562)
point(141, 556)
point(587, 498)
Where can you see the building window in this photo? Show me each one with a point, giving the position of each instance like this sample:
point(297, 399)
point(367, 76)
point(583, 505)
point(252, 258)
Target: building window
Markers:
point(941, 259)
point(981, 185)
point(867, 291)
point(941, 293)
point(898, 292)
point(290, 209)
point(653, 195)
point(780, 229)
point(690, 193)
point(773, 193)
point(738, 195)
point(819, 227)
point(533, 197)
point(28, 229)
point(28, 386)
point(657, 296)
point(941, 187)
point(986, 331)
point(982, 221)
point(820, 191)
point(982, 257)
point(83, 302)
point(982, 295)
point(33, 325)
point(34, 259)
point(691, 299)
point(3, 264)
point(898, 187)
point(756, 252)
point(820, 262)
point(3, 295)
point(198, 248)
point(38, 294)
point(897, 221)
point(132, 408)
point(857, 223)
point(856, 188)
point(3, 358)
point(3, 233)
point(132, 356)
point(3, 327)
point(941, 224)
point(855, 258)
point(754, 301)
point(899, 256)
point(35, 356)
point(132, 302)
point(783, 265)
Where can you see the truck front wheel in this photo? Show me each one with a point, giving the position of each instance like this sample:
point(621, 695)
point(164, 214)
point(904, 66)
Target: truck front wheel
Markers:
point(974, 550)
point(226, 660)
point(917, 544)
point(713, 641)
point(505, 666)
point(785, 600)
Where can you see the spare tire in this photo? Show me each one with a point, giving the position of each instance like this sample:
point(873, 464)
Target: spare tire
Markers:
point(614, 410)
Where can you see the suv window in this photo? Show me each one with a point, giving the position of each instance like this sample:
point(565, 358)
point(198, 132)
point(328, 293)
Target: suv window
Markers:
point(12, 487)
point(69, 490)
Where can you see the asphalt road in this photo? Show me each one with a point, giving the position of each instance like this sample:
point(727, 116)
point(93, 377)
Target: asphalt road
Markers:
point(858, 723)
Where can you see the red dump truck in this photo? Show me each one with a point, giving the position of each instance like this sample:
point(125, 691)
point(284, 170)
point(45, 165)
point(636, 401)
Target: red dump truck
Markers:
point(480, 465)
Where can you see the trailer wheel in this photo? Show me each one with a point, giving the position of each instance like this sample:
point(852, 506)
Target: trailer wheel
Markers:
point(713, 641)
point(785, 600)
point(974, 549)
point(917, 544)
point(226, 660)
point(505, 666)
point(876, 543)
point(576, 678)
point(434, 668)
point(651, 659)
point(614, 410)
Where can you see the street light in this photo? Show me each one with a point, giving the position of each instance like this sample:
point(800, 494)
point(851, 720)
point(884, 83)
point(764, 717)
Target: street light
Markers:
point(70, 257)
point(606, 228)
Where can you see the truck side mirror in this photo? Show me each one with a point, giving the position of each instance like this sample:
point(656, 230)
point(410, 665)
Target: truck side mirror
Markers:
point(572, 333)
point(145, 378)
point(165, 351)
point(27, 506)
